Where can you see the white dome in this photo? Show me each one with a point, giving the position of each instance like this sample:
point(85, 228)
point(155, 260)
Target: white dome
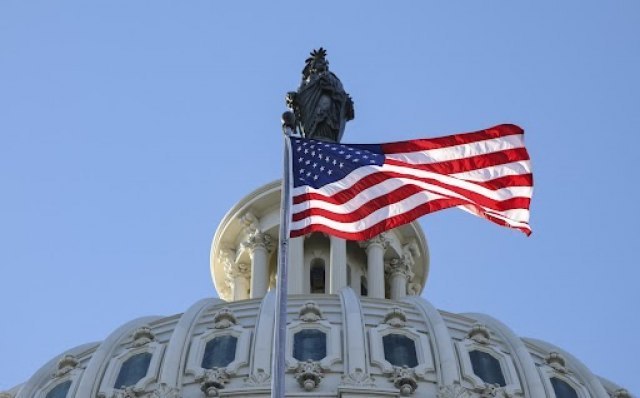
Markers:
point(354, 364)
point(356, 328)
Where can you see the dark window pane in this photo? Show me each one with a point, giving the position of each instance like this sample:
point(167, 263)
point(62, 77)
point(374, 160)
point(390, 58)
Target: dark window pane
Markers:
point(59, 391)
point(219, 352)
point(400, 350)
point(486, 367)
point(133, 370)
point(309, 344)
point(363, 287)
point(562, 389)
point(317, 276)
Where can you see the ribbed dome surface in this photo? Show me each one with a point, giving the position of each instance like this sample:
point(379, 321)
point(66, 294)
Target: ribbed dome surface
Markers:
point(355, 361)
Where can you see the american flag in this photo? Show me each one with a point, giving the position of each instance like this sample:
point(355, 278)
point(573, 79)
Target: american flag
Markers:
point(357, 191)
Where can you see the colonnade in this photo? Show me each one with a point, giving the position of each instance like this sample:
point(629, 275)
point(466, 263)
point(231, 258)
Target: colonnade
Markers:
point(252, 280)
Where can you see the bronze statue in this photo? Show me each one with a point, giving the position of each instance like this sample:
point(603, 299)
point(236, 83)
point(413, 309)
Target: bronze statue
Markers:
point(321, 106)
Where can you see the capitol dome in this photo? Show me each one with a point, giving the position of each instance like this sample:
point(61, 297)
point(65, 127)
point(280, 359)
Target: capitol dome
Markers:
point(357, 327)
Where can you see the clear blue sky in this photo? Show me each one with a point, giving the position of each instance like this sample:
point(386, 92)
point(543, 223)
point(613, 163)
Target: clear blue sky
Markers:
point(128, 128)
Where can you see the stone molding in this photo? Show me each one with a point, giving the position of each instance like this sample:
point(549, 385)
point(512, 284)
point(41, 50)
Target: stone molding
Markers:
point(224, 324)
point(479, 339)
point(143, 341)
point(308, 374)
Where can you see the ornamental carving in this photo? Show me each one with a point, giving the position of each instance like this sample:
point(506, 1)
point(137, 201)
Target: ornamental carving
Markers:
point(556, 361)
point(310, 312)
point(358, 378)
point(405, 380)
point(65, 365)
point(621, 393)
point(399, 266)
point(308, 374)
point(213, 380)
point(258, 240)
point(409, 252)
point(128, 392)
point(413, 289)
point(259, 378)
point(250, 222)
point(453, 391)
point(142, 336)
point(380, 240)
point(492, 391)
point(396, 318)
point(479, 333)
point(164, 391)
point(224, 319)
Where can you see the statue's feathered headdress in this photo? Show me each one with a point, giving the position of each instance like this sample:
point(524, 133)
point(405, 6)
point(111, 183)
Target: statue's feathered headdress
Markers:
point(320, 53)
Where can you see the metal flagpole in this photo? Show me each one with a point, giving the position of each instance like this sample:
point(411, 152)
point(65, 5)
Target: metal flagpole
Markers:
point(280, 334)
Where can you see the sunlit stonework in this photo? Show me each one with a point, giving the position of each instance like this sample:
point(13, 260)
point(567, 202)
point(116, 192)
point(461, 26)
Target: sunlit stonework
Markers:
point(346, 299)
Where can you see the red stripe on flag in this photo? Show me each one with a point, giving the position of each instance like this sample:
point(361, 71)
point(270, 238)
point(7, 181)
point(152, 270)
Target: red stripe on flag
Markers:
point(502, 130)
point(468, 164)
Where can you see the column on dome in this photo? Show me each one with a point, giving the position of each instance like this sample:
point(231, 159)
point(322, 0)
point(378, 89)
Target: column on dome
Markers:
point(259, 245)
point(375, 248)
point(399, 273)
point(296, 265)
point(356, 279)
point(337, 264)
point(237, 276)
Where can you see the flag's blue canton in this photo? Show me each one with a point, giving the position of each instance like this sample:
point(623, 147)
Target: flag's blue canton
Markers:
point(317, 163)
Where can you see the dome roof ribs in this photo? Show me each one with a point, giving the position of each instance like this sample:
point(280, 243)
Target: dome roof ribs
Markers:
point(43, 374)
point(595, 387)
point(444, 352)
point(92, 375)
point(178, 344)
point(260, 362)
point(532, 386)
point(356, 368)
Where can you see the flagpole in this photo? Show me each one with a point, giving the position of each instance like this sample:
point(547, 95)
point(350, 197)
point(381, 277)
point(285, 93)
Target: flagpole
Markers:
point(280, 332)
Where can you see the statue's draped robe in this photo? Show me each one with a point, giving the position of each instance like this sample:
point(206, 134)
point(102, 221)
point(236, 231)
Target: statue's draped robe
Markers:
point(324, 107)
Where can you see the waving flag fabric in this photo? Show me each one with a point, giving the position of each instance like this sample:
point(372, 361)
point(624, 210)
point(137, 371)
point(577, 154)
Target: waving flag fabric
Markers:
point(357, 191)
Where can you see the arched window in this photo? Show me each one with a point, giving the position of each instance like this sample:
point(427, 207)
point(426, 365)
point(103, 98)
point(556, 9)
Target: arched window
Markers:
point(487, 367)
point(133, 370)
point(400, 350)
point(59, 391)
point(563, 389)
point(316, 276)
point(363, 286)
point(309, 344)
point(219, 352)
